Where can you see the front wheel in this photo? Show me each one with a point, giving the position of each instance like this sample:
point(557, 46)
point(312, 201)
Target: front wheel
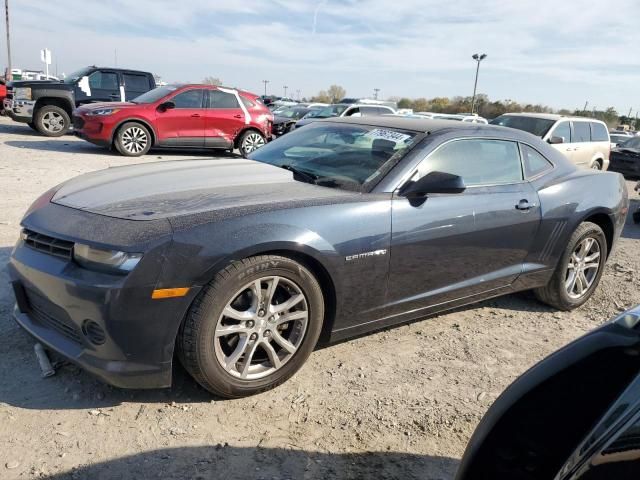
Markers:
point(596, 165)
point(250, 141)
point(52, 121)
point(253, 327)
point(579, 269)
point(133, 139)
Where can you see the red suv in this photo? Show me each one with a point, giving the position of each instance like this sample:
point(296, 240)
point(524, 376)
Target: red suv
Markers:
point(197, 116)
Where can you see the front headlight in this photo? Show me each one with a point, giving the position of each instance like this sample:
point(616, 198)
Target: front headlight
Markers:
point(109, 261)
point(103, 111)
point(22, 93)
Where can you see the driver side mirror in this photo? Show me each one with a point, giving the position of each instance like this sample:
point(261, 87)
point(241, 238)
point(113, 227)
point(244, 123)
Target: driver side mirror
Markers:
point(556, 140)
point(163, 107)
point(433, 182)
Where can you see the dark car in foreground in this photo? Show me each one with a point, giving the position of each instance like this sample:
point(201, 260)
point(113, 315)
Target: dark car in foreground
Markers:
point(337, 229)
point(178, 116)
point(46, 105)
point(625, 158)
point(573, 416)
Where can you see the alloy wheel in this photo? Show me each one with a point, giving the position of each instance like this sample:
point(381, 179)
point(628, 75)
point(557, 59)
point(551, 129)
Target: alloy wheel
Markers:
point(134, 139)
point(252, 142)
point(261, 327)
point(596, 166)
point(583, 267)
point(53, 122)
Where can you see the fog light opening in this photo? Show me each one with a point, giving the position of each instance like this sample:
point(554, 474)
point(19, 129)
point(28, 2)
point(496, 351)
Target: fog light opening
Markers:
point(93, 332)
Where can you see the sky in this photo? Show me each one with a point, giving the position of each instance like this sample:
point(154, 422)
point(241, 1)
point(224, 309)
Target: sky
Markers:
point(557, 53)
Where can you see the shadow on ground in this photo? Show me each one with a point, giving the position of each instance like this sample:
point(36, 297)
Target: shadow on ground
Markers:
point(225, 462)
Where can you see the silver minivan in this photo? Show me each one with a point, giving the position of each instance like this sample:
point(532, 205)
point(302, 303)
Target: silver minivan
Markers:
point(585, 141)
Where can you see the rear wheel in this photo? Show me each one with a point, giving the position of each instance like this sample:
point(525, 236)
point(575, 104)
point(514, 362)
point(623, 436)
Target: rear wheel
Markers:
point(133, 139)
point(253, 327)
point(250, 141)
point(597, 165)
point(52, 121)
point(579, 269)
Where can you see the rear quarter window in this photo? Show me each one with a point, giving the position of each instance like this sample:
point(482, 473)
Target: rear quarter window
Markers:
point(534, 163)
point(599, 132)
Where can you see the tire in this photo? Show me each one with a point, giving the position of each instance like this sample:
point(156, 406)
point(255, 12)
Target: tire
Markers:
point(133, 139)
point(52, 121)
point(249, 141)
point(556, 292)
point(32, 126)
point(216, 358)
point(597, 165)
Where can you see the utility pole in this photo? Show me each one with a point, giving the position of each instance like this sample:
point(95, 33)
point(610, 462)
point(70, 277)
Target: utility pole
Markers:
point(298, 93)
point(629, 115)
point(478, 58)
point(586, 104)
point(6, 13)
point(265, 86)
point(285, 90)
point(115, 56)
point(375, 93)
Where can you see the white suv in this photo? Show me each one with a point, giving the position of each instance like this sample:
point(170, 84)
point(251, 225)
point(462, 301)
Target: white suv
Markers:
point(585, 141)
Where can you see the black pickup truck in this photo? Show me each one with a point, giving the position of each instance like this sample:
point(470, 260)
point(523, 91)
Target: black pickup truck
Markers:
point(46, 105)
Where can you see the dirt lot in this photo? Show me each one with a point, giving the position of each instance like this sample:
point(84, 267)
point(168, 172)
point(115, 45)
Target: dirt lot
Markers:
point(397, 404)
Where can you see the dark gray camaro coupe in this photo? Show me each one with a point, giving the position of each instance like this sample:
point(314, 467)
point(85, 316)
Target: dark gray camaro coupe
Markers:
point(339, 228)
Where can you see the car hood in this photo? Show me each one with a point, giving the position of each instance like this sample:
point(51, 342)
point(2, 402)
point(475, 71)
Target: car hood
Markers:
point(98, 105)
point(167, 189)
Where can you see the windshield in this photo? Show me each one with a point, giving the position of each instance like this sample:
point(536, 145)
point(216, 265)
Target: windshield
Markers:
point(631, 143)
point(327, 112)
point(77, 75)
point(347, 156)
point(155, 94)
point(295, 113)
point(538, 126)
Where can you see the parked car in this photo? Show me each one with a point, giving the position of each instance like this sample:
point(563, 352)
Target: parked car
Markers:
point(243, 265)
point(284, 121)
point(625, 158)
point(584, 141)
point(184, 116)
point(618, 138)
point(573, 416)
point(3, 95)
point(344, 110)
point(453, 116)
point(46, 106)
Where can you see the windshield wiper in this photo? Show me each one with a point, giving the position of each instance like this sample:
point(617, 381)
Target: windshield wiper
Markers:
point(304, 176)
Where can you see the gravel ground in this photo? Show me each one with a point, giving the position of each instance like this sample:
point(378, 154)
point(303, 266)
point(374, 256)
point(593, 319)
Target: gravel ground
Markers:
point(401, 403)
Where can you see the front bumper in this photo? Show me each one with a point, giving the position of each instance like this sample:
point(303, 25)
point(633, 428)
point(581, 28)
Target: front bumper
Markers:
point(107, 324)
point(626, 165)
point(92, 130)
point(19, 110)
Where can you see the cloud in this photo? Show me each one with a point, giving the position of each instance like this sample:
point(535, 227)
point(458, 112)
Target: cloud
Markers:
point(557, 53)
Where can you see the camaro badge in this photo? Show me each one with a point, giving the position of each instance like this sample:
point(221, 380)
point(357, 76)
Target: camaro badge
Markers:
point(357, 256)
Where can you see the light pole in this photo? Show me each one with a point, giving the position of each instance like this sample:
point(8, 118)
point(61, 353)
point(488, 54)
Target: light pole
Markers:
point(6, 18)
point(298, 93)
point(375, 93)
point(265, 86)
point(285, 91)
point(478, 58)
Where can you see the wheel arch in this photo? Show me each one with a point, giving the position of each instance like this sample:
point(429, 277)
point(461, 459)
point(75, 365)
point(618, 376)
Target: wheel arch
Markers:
point(604, 221)
point(236, 141)
point(61, 102)
point(141, 121)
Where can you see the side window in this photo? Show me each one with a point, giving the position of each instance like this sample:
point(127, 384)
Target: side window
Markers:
point(477, 161)
point(137, 83)
point(581, 132)
point(219, 99)
point(599, 132)
point(247, 103)
point(353, 112)
point(563, 129)
point(534, 162)
point(367, 111)
point(188, 99)
point(104, 80)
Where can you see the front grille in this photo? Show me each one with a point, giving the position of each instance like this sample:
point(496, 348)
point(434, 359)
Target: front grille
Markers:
point(47, 244)
point(78, 122)
point(49, 315)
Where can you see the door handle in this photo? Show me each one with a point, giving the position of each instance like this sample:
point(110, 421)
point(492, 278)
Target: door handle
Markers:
point(524, 205)
point(196, 115)
point(237, 116)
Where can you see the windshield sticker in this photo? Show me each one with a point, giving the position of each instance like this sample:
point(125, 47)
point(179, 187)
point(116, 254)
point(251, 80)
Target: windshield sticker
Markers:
point(393, 136)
